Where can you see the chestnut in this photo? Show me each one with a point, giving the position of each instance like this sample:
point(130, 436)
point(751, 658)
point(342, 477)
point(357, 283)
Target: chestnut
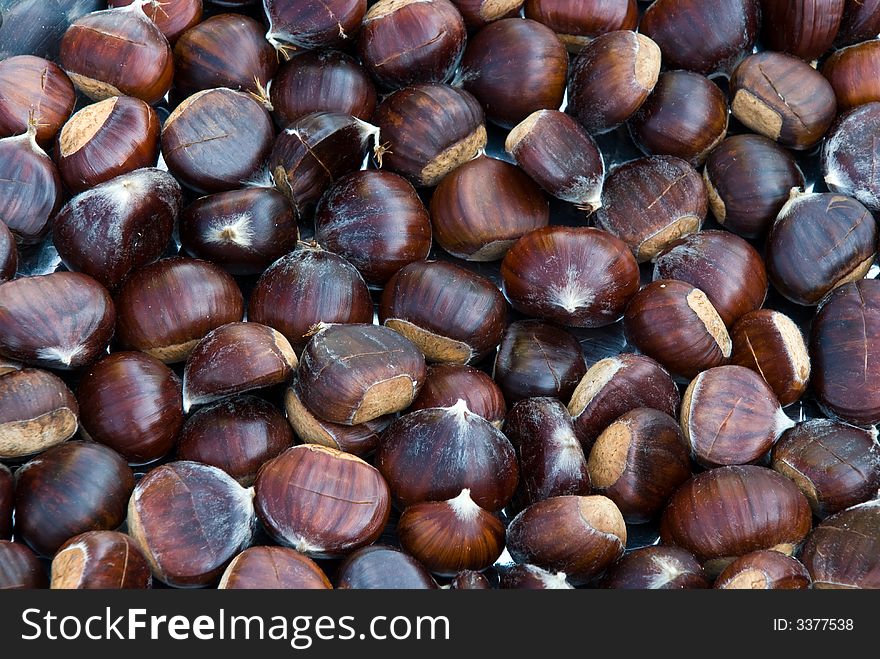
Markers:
point(580, 536)
point(514, 67)
point(749, 178)
point(453, 535)
point(118, 51)
point(845, 153)
point(783, 98)
point(189, 520)
point(307, 24)
point(60, 320)
point(577, 22)
point(236, 435)
point(724, 266)
point(676, 324)
point(100, 560)
point(34, 89)
point(616, 385)
point(842, 551)
point(685, 116)
point(729, 416)
point(650, 202)
point(452, 314)
point(321, 81)
point(217, 139)
point(131, 402)
point(376, 220)
point(202, 61)
point(320, 501)
point(20, 569)
point(477, 13)
point(116, 227)
point(657, 568)
point(404, 42)
point(429, 130)
point(243, 231)
point(351, 374)
point(724, 513)
point(446, 383)
point(8, 254)
point(611, 78)
point(843, 350)
point(703, 37)
point(172, 17)
point(307, 287)
point(7, 502)
point(819, 242)
point(769, 343)
point(470, 580)
point(380, 567)
point(853, 73)
point(538, 359)
point(764, 570)
point(575, 276)
point(71, 488)
point(638, 462)
point(37, 411)
point(550, 458)
point(805, 28)
point(165, 308)
point(834, 464)
point(860, 21)
point(432, 454)
point(531, 577)
point(9, 366)
point(273, 568)
point(235, 358)
point(32, 27)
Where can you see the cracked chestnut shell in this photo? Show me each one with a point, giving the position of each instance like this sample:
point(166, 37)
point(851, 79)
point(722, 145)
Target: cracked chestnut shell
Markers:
point(20, 569)
point(446, 383)
point(842, 552)
point(7, 502)
point(805, 29)
point(578, 22)
point(106, 560)
point(848, 156)
point(764, 570)
point(381, 567)
point(273, 568)
point(656, 568)
point(853, 73)
point(31, 84)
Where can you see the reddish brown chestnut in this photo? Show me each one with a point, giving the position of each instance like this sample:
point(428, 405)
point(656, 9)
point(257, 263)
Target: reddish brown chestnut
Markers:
point(853, 73)
point(531, 577)
point(580, 536)
point(320, 501)
point(650, 202)
point(167, 307)
point(860, 21)
point(172, 17)
point(37, 411)
point(452, 314)
point(477, 13)
point(189, 520)
point(70, 489)
point(273, 568)
point(446, 383)
point(7, 502)
point(470, 580)
point(842, 551)
point(847, 155)
point(764, 570)
point(309, 24)
point(379, 567)
point(8, 254)
point(100, 560)
point(657, 568)
point(805, 28)
point(20, 569)
point(577, 22)
point(36, 90)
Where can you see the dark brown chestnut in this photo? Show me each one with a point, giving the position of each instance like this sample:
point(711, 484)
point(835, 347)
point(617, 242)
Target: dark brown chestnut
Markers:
point(702, 37)
point(446, 383)
point(805, 28)
point(576, 276)
point(8, 254)
point(514, 67)
point(131, 402)
point(847, 155)
point(70, 489)
point(725, 267)
point(321, 502)
point(36, 90)
point(819, 241)
point(834, 464)
point(650, 202)
point(165, 308)
point(657, 568)
point(380, 567)
point(217, 140)
point(531, 577)
point(577, 22)
point(724, 513)
point(61, 320)
point(429, 130)
point(611, 78)
point(118, 226)
point(405, 42)
point(685, 116)
point(236, 435)
point(32, 27)
point(470, 580)
point(749, 178)
point(769, 343)
point(550, 458)
point(118, 51)
point(783, 98)
point(764, 570)
point(842, 551)
point(243, 231)
point(376, 220)
point(7, 502)
point(477, 13)
point(20, 569)
point(538, 359)
point(452, 314)
point(307, 287)
point(676, 324)
point(432, 454)
point(273, 568)
point(309, 24)
point(106, 560)
point(580, 536)
point(860, 21)
point(172, 17)
point(189, 520)
point(853, 73)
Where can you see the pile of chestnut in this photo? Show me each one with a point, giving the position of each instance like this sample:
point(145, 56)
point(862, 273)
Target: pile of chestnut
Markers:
point(331, 275)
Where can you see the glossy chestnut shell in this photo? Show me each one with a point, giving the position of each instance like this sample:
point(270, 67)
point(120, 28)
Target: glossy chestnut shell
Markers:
point(381, 567)
point(446, 383)
point(805, 29)
point(29, 85)
point(764, 570)
point(842, 551)
point(578, 22)
point(656, 568)
point(100, 560)
point(20, 568)
point(275, 568)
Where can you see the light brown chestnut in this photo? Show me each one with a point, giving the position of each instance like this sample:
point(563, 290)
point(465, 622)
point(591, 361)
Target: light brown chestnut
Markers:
point(273, 568)
point(381, 567)
point(578, 22)
point(34, 89)
point(847, 150)
point(446, 383)
point(764, 570)
point(524, 576)
point(20, 569)
point(657, 568)
point(106, 560)
point(842, 552)
point(853, 73)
